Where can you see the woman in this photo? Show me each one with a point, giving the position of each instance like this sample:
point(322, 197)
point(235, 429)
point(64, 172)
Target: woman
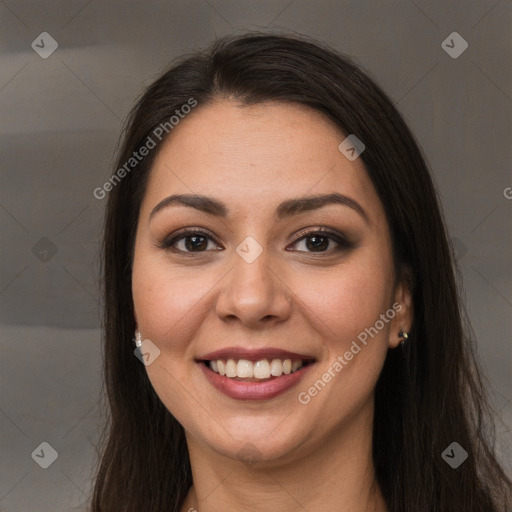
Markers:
point(274, 246)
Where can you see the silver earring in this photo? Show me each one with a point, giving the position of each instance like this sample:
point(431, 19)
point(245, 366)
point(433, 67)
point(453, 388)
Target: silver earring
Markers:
point(404, 337)
point(138, 339)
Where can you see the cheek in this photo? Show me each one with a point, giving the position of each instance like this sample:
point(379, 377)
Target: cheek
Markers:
point(169, 311)
point(166, 304)
point(343, 307)
point(348, 299)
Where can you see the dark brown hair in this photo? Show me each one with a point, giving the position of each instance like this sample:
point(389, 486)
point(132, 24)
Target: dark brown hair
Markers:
point(426, 398)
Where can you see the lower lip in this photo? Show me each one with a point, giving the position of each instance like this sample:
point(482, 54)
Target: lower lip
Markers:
point(254, 390)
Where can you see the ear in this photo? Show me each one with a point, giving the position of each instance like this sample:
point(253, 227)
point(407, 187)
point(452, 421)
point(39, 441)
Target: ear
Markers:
point(403, 307)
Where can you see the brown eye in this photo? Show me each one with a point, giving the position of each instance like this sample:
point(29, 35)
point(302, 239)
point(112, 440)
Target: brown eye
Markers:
point(317, 243)
point(189, 241)
point(322, 241)
point(195, 243)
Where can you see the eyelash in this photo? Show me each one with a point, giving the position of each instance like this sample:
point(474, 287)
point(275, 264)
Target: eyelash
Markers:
point(343, 243)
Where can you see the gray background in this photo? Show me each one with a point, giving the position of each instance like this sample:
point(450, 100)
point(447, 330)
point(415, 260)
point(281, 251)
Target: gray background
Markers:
point(60, 121)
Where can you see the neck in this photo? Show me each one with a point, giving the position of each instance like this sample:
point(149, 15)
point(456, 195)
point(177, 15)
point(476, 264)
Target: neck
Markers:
point(335, 474)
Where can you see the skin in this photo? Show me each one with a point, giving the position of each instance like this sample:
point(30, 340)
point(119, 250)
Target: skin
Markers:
point(315, 456)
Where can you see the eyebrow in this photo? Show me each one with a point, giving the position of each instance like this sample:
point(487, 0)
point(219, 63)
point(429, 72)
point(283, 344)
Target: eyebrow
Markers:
point(286, 209)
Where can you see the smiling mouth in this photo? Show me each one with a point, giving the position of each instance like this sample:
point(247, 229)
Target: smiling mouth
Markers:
point(244, 370)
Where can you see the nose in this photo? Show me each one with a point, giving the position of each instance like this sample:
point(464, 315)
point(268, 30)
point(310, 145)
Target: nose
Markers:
point(253, 294)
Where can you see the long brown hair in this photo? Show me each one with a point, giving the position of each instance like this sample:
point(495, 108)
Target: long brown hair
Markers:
point(426, 398)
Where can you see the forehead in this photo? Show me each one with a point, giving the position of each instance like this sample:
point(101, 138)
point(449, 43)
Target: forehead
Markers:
point(254, 156)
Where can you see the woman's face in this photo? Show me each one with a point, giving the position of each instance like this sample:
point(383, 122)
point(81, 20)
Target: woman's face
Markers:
point(260, 282)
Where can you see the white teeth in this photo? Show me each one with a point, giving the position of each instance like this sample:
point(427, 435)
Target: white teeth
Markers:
point(231, 368)
point(262, 369)
point(276, 367)
point(244, 369)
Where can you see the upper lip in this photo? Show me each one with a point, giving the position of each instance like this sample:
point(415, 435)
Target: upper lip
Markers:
point(252, 354)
